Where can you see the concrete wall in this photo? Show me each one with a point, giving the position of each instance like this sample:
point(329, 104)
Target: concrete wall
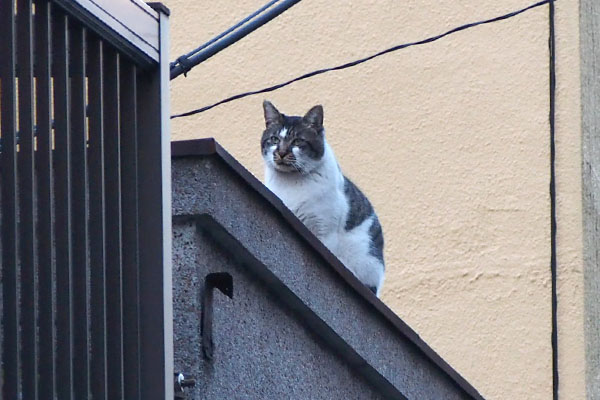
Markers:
point(450, 141)
point(261, 350)
point(295, 328)
point(590, 73)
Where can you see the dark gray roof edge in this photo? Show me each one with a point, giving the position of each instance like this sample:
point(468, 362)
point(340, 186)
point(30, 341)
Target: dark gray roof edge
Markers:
point(210, 147)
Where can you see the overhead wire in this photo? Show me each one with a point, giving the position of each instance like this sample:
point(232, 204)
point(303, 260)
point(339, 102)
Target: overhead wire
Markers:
point(361, 60)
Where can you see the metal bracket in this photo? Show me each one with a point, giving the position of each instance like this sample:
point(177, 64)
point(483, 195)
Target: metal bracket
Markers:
point(224, 282)
point(180, 383)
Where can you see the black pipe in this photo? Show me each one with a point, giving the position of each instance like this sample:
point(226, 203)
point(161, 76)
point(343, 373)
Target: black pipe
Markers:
point(185, 64)
point(225, 33)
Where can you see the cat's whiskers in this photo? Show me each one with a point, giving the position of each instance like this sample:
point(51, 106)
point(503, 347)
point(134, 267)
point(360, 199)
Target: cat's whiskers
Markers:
point(300, 166)
point(296, 166)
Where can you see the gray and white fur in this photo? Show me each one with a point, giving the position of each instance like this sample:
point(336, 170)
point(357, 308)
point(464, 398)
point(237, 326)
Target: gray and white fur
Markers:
point(301, 169)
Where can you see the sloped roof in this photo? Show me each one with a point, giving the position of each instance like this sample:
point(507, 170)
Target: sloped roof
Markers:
point(390, 328)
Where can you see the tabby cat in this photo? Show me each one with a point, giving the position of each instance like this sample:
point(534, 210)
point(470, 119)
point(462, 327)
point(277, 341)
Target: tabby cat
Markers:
point(301, 169)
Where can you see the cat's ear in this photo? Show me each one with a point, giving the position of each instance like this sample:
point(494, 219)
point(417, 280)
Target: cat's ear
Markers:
point(314, 117)
point(272, 116)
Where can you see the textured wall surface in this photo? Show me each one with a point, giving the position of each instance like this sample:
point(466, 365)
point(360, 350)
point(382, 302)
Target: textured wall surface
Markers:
point(450, 142)
point(253, 331)
point(261, 350)
point(590, 72)
point(569, 211)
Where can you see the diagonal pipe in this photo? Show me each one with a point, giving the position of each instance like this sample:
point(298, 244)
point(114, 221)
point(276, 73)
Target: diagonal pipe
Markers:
point(185, 63)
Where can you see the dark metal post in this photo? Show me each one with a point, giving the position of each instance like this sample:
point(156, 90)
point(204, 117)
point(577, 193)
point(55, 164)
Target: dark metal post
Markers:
point(154, 158)
point(130, 215)
point(112, 172)
point(62, 187)
point(45, 201)
point(11, 369)
point(26, 178)
point(97, 221)
point(78, 57)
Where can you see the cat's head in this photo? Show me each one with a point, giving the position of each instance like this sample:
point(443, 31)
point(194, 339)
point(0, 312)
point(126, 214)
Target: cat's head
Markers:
point(293, 144)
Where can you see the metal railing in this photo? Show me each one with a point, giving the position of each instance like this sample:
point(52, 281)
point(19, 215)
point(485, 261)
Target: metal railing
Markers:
point(85, 201)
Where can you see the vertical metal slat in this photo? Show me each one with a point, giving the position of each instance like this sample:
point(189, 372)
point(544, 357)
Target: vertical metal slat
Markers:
point(8, 170)
point(62, 164)
point(112, 165)
point(45, 202)
point(77, 62)
point(97, 224)
point(74, 237)
point(129, 183)
point(25, 162)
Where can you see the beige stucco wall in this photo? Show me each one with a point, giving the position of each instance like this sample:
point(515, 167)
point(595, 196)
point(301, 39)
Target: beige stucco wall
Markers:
point(450, 140)
point(569, 206)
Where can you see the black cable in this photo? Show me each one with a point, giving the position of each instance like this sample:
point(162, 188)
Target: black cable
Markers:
point(362, 60)
point(553, 227)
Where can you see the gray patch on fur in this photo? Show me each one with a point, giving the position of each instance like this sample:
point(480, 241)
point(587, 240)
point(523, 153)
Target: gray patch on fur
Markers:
point(360, 208)
point(376, 235)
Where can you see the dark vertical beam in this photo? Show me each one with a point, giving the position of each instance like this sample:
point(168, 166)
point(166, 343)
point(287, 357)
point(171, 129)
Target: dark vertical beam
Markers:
point(156, 344)
point(26, 178)
point(79, 203)
point(97, 224)
point(62, 187)
point(112, 171)
point(129, 196)
point(552, 189)
point(8, 173)
point(45, 202)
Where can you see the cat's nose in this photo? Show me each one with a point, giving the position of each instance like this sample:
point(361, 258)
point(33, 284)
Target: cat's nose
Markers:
point(282, 153)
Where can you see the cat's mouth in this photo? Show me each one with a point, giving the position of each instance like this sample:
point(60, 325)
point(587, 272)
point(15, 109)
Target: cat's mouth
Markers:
point(285, 164)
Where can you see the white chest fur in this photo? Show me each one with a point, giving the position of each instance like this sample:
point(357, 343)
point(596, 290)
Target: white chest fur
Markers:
point(316, 198)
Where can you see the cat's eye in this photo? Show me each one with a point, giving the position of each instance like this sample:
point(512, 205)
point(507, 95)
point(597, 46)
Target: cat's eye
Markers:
point(274, 139)
point(298, 142)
